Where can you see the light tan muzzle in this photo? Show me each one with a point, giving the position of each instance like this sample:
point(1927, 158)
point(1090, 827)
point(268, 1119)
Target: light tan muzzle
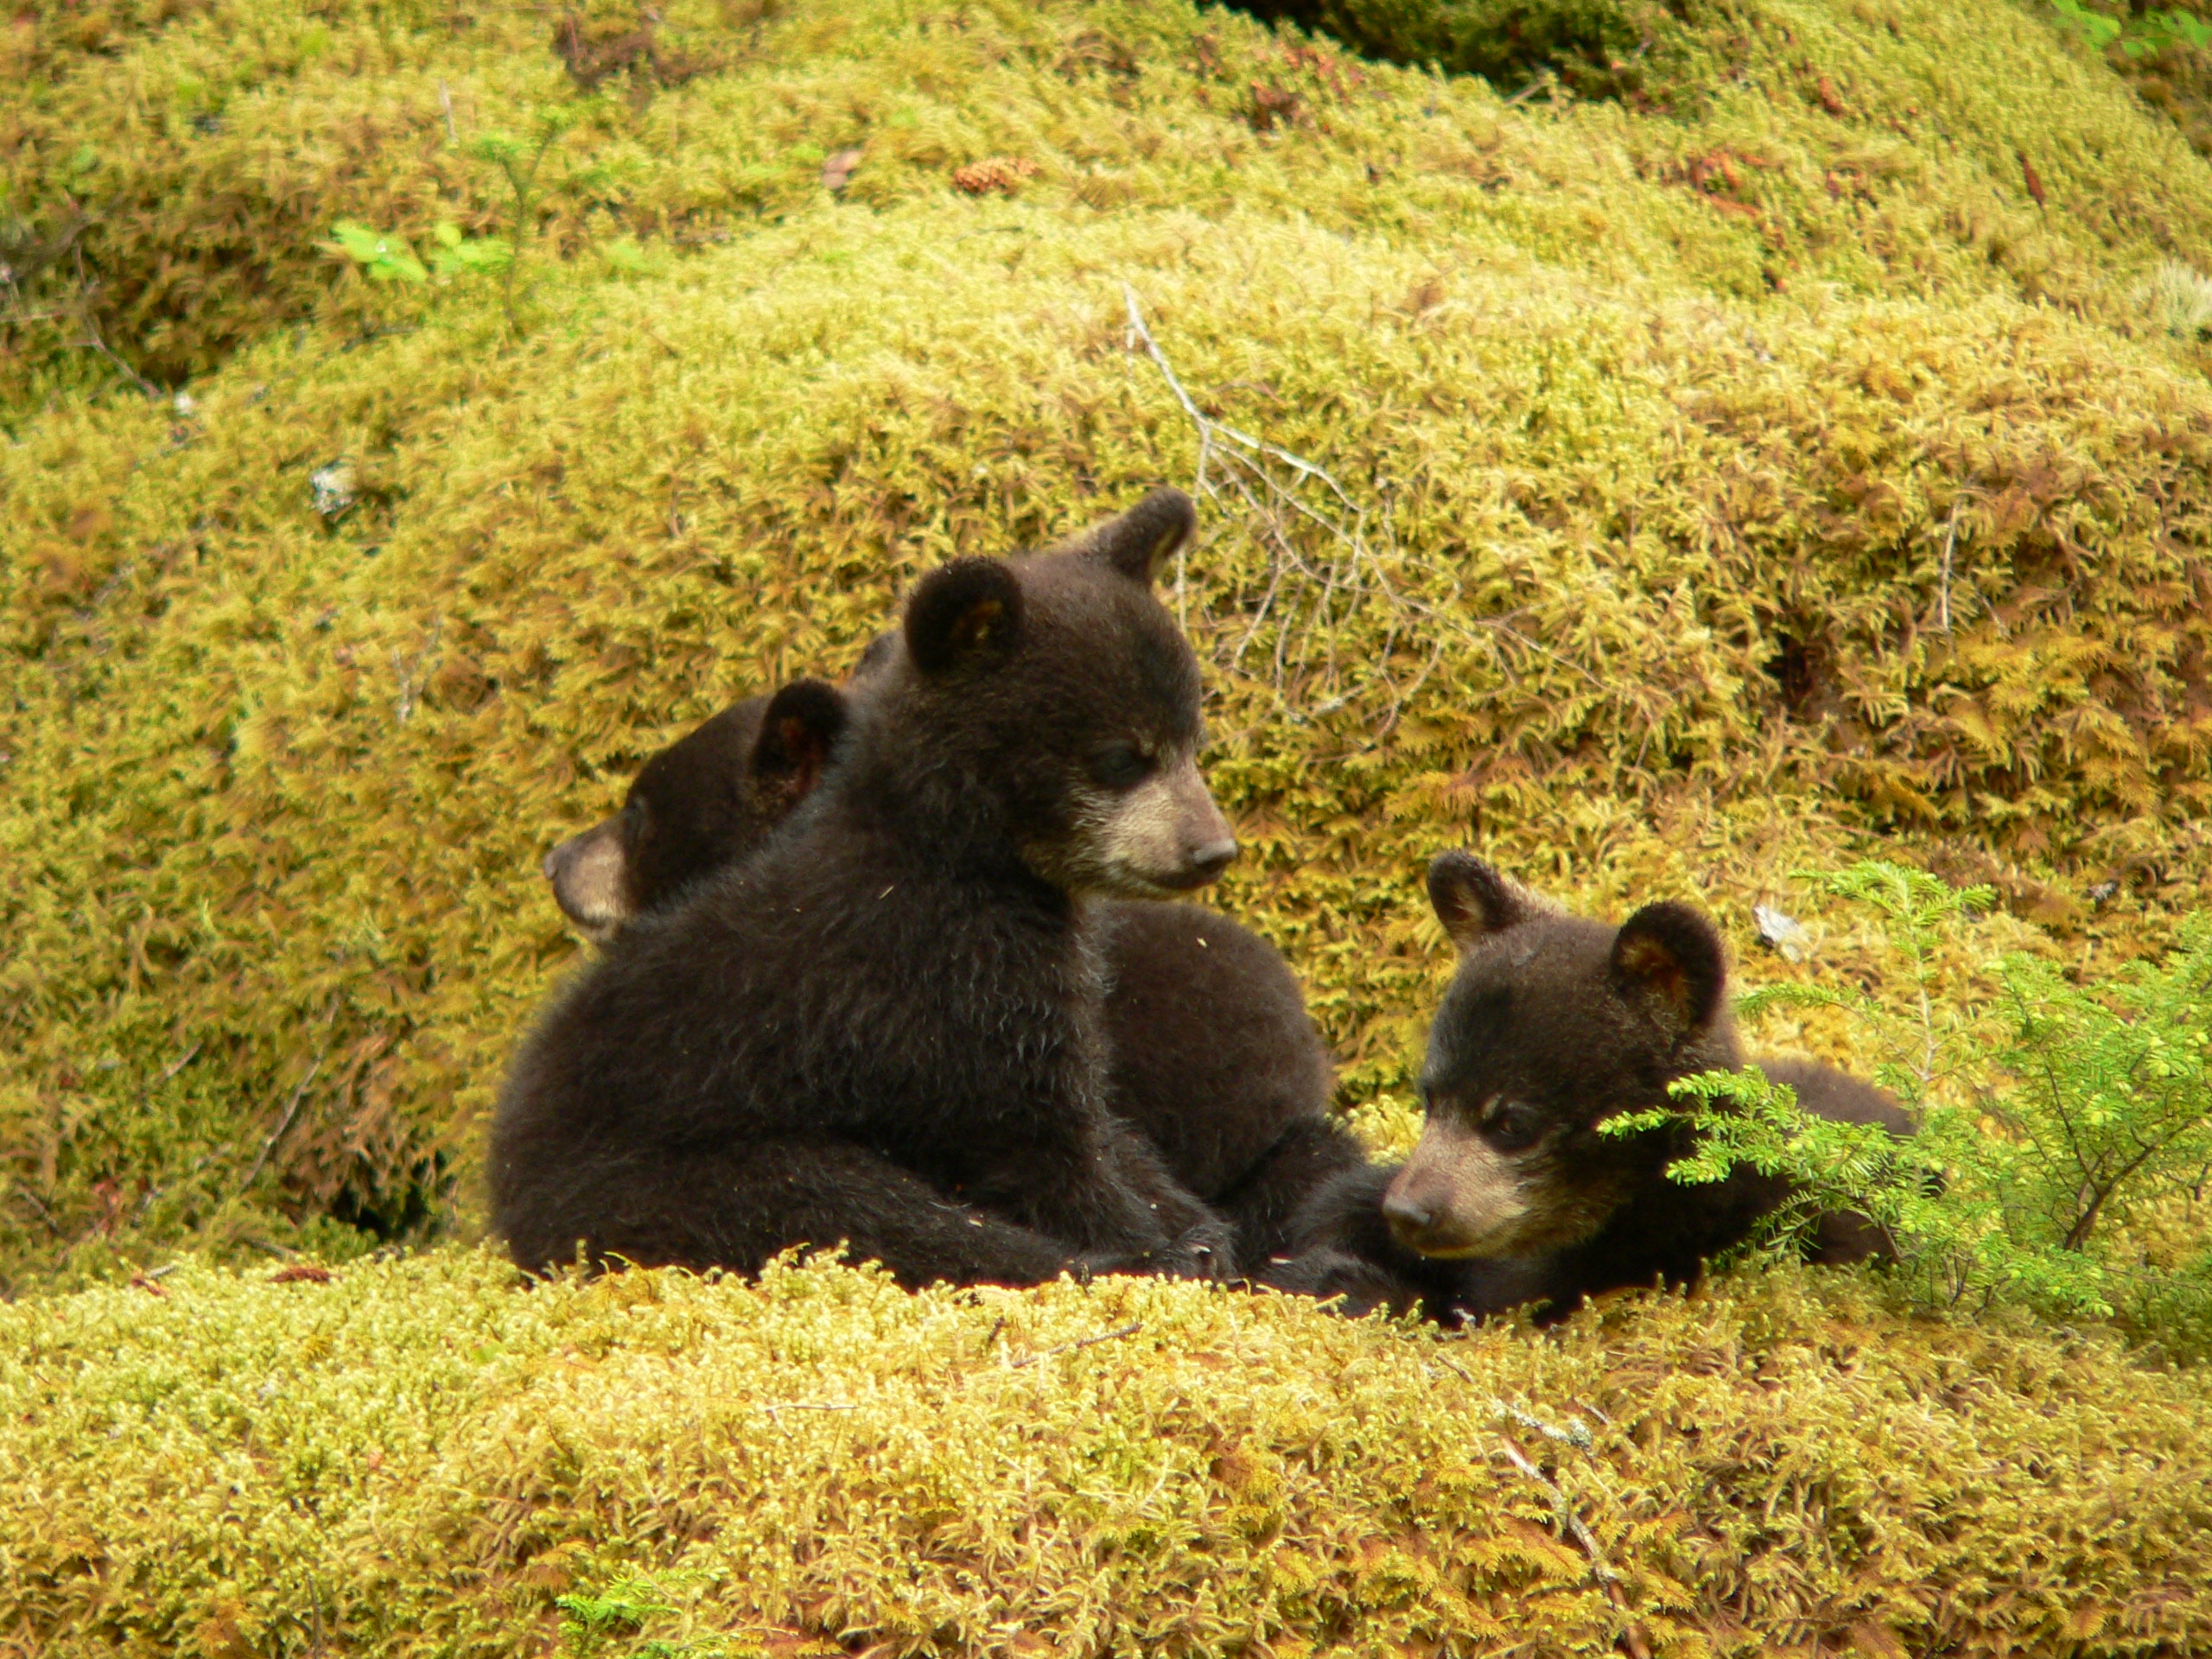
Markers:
point(1456, 1195)
point(1167, 833)
point(586, 873)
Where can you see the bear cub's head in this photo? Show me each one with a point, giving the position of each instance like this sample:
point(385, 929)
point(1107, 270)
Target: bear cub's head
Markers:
point(1058, 679)
point(1053, 698)
point(1552, 1024)
point(704, 802)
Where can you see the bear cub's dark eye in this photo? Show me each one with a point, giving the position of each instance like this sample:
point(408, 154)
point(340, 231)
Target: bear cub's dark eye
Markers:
point(1511, 1127)
point(1123, 766)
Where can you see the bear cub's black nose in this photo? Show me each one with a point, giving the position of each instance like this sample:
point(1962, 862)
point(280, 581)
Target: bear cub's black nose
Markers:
point(1408, 1217)
point(1212, 859)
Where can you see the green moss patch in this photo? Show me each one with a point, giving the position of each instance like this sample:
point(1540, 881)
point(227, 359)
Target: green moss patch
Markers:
point(1667, 499)
point(419, 1457)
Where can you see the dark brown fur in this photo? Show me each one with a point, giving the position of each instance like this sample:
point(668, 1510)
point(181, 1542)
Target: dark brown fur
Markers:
point(883, 1028)
point(1553, 1025)
point(699, 805)
point(1212, 1057)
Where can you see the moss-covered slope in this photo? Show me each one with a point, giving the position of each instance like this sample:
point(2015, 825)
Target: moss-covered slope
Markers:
point(1771, 461)
point(419, 1459)
point(1707, 492)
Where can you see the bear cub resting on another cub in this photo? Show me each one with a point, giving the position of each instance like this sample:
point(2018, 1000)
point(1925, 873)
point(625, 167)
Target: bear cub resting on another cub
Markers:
point(790, 1058)
point(1211, 1053)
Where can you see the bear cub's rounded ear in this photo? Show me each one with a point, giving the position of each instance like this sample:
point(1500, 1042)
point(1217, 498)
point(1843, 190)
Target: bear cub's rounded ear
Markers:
point(963, 617)
point(1668, 958)
point(801, 726)
point(1471, 898)
point(1139, 541)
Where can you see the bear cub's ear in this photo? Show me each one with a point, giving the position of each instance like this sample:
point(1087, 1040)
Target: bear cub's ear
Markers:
point(1471, 898)
point(964, 617)
point(802, 726)
point(1139, 541)
point(1668, 959)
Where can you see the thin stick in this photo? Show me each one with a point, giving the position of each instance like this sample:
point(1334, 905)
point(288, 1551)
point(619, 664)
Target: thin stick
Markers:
point(1243, 471)
point(92, 339)
point(270, 1145)
point(38, 1204)
point(182, 1061)
point(1600, 1568)
point(1128, 1330)
point(445, 97)
point(1950, 541)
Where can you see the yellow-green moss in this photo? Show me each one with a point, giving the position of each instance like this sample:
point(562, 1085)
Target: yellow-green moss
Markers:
point(1725, 493)
point(277, 788)
point(418, 1458)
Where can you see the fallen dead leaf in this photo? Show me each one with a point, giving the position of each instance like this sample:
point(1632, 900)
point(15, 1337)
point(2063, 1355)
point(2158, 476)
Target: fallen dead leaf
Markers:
point(1003, 174)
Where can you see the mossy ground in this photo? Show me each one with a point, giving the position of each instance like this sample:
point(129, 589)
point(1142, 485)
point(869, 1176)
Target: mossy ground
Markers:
point(419, 1457)
point(1734, 483)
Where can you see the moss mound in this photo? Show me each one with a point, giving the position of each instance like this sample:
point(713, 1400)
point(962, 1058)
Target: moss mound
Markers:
point(417, 1457)
point(1666, 494)
point(1703, 500)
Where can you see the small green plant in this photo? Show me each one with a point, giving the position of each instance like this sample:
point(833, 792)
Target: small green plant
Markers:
point(520, 161)
point(467, 256)
point(384, 255)
point(2153, 31)
point(2099, 30)
point(621, 1609)
point(2137, 35)
point(2054, 1122)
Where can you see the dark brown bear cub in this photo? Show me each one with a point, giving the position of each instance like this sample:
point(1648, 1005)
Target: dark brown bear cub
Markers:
point(699, 805)
point(1553, 1025)
point(1211, 1053)
point(883, 1028)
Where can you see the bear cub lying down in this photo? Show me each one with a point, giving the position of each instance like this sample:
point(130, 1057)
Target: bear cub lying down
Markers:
point(1211, 1054)
point(789, 1058)
point(1552, 1024)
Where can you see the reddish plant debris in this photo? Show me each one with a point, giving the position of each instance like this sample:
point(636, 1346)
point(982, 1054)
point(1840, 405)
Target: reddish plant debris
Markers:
point(1001, 174)
point(1273, 107)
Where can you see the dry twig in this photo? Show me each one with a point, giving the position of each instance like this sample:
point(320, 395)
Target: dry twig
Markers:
point(1572, 1525)
point(1128, 1330)
point(1321, 570)
point(1950, 541)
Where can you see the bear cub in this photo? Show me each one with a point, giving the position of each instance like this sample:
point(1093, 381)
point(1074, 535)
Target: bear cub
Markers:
point(882, 1029)
point(1211, 1054)
point(1552, 1024)
point(699, 805)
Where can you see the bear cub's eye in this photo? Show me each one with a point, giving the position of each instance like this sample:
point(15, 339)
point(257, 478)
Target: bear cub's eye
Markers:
point(1511, 1127)
point(1124, 766)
